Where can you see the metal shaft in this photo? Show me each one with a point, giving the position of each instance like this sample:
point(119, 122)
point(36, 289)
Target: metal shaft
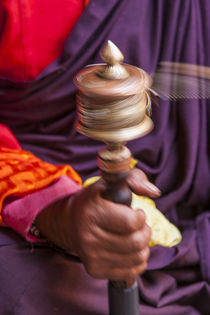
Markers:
point(123, 301)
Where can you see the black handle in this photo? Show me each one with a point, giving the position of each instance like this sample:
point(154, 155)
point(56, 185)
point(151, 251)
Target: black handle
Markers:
point(123, 295)
point(123, 301)
point(117, 188)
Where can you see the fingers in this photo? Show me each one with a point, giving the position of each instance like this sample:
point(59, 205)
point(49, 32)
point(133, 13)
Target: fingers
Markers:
point(111, 217)
point(127, 261)
point(140, 184)
point(120, 274)
point(123, 244)
point(118, 267)
point(118, 218)
point(106, 214)
point(116, 256)
point(111, 239)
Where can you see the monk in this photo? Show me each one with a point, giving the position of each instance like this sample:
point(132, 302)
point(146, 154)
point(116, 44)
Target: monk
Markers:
point(43, 45)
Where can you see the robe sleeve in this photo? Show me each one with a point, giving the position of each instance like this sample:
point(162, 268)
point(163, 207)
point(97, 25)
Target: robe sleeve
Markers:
point(20, 213)
point(28, 184)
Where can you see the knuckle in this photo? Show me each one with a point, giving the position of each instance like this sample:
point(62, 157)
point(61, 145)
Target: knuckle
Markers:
point(92, 256)
point(147, 233)
point(141, 238)
point(87, 239)
point(137, 270)
point(140, 173)
point(139, 258)
point(136, 244)
point(145, 254)
point(89, 256)
point(132, 273)
point(136, 176)
point(91, 269)
point(137, 241)
point(142, 268)
point(141, 216)
point(132, 221)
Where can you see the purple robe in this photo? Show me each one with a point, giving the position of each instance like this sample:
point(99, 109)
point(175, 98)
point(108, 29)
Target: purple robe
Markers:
point(175, 156)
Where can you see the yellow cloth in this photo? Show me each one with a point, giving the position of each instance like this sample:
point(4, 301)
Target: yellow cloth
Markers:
point(163, 232)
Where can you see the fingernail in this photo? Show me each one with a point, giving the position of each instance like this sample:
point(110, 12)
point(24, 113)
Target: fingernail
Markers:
point(153, 188)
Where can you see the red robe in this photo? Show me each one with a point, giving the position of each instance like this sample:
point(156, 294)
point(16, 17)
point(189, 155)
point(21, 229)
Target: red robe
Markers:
point(27, 45)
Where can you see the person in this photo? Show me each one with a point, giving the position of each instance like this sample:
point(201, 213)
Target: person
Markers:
point(43, 45)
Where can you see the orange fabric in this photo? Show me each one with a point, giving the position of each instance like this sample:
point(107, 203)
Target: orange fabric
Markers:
point(22, 173)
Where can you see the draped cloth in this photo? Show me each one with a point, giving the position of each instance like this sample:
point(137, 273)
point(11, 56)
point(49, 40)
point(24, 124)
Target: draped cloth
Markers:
point(41, 113)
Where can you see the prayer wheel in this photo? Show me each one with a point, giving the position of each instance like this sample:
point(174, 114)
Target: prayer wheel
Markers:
point(112, 105)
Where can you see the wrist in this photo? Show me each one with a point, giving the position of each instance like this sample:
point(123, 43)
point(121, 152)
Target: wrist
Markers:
point(52, 223)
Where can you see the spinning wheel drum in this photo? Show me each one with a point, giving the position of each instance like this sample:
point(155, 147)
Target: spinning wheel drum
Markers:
point(112, 105)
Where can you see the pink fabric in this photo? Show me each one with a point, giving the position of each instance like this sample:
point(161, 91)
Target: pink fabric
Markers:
point(20, 213)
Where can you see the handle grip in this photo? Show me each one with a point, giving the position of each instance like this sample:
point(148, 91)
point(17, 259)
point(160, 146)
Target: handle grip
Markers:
point(123, 295)
point(123, 301)
point(117, 189)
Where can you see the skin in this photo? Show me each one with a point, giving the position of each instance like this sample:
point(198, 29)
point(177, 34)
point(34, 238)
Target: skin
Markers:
point(111, 239)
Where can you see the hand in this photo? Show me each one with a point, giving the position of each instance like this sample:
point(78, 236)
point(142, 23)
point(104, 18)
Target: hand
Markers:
point(111, 239)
